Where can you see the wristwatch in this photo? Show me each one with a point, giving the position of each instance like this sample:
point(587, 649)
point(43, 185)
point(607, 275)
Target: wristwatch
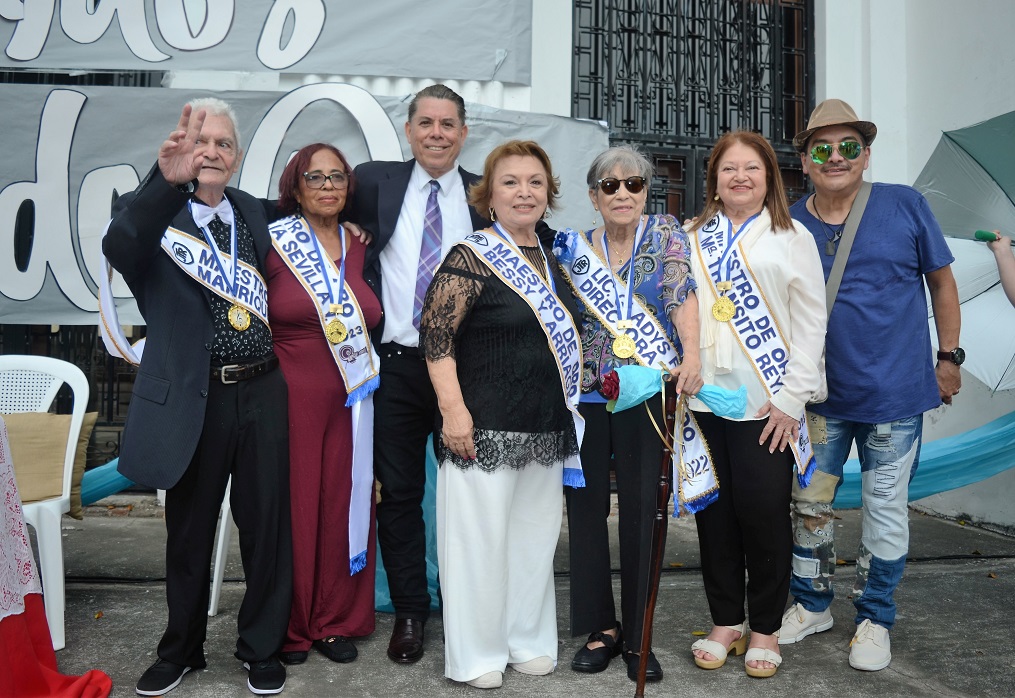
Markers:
point(187, 187)
point(956, 356)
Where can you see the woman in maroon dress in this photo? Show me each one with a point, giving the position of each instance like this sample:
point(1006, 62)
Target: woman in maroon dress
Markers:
point(321, 312)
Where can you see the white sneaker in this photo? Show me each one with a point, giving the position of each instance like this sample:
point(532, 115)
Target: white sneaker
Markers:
point(871, 647)
point(798, 623)
point(491, 679)
point(540, 666)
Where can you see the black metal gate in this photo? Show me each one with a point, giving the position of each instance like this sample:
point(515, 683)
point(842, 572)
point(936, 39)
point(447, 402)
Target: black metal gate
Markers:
point(672, 75)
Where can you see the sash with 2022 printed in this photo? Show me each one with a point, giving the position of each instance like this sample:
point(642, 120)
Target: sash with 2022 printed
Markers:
point(510, 266)
point(753, 323)
point(354, 356)
point(595, 283)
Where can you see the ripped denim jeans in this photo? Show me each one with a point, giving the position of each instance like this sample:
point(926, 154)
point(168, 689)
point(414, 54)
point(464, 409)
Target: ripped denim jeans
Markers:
point(889, 455)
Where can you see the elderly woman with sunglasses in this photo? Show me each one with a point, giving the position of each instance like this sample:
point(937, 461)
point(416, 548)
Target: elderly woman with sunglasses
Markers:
point(321, 313)
point(634, 289)
point(762, 327)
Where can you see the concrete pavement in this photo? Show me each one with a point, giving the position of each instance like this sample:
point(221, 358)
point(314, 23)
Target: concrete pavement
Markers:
point(953, 636)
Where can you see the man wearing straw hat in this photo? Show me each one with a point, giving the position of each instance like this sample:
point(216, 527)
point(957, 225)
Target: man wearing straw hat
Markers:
point(881, 373)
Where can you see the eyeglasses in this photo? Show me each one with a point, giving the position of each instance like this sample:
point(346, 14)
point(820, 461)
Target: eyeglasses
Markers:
point(848, 149)
point(611, 185)
point(316, 180)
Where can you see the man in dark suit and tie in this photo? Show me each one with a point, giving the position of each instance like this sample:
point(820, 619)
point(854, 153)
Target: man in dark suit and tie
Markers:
point(416, 211)
point(207, 402)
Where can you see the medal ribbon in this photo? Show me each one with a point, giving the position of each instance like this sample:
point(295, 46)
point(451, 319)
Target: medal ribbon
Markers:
point(354, 356)
point(507, 263)
point(629, 290)
point(217, 254)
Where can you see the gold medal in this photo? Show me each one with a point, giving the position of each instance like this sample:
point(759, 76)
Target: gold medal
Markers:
point(238, 317)
point(623, 347)
point(335, 331)
point(723, 309)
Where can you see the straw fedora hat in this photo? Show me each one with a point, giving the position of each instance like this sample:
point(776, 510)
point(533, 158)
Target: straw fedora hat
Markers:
point(834, 112)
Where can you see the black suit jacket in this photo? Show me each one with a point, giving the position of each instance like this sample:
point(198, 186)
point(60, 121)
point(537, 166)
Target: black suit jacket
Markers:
point(375, 206)
point(167, 408)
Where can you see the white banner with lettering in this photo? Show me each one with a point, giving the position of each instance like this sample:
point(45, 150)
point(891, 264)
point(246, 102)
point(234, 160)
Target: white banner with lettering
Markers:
point(67, 150)
point(479, 39)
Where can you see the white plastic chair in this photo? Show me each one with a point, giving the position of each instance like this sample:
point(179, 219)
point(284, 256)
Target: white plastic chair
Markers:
point(221, 552)
point(29, 384)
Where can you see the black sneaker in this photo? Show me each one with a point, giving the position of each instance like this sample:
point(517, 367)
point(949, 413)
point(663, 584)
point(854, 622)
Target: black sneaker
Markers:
point(161, 677)
point(265, 677)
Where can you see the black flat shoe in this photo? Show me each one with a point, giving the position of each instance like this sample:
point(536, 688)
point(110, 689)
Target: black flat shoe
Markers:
point(336, 648)
point(653, 672)
point(292, 658)
point(589, 661)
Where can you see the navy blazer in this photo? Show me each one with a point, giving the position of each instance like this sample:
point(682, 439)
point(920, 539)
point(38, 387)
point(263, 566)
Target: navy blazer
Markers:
point(375, 206)
point(168, 404)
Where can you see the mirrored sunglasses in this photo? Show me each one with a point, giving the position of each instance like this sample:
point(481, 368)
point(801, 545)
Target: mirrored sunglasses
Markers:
point(316, 180)
point(848, 149)
point(611, 185)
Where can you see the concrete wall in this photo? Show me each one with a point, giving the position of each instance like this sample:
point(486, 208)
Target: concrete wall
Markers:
point(915, 68)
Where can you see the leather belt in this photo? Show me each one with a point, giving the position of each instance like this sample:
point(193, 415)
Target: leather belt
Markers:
point(234, 373)
point(390, 349)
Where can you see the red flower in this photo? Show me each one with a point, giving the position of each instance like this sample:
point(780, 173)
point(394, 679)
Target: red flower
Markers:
point(611, 385)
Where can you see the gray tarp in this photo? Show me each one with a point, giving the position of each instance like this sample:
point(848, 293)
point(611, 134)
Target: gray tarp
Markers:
point(449, 40)
point(66, 150)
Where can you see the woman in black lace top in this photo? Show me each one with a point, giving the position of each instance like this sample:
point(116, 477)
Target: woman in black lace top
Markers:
point(503, 355)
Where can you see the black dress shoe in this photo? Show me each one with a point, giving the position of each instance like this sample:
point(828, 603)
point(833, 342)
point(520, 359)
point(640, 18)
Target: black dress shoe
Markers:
point(291, 658)
point(653, 672)
point(406, 645)
point(336, 648)
point(589, 661)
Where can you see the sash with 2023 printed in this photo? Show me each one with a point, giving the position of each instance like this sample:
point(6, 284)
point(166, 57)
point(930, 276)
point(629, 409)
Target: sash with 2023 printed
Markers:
point(510, 266)
point(595, 283)
point(354, 356)
point(753, 323)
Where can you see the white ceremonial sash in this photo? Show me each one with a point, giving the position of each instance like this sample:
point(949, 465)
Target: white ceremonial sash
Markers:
point(753, 325)
point(354, 356)
point(596, 284)
point(511, 267)
point(196, 259)
point(109, 323)
point(593, 281)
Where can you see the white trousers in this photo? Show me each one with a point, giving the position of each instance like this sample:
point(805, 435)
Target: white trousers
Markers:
point(496, 536)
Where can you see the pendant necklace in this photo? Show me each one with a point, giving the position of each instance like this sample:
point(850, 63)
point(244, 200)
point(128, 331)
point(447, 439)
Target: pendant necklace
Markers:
point(831, 242)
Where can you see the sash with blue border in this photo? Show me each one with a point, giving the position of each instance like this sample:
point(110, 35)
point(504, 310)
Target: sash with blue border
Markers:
point(754, 326)
point(510, 266)
point(354, 356)
point(594, 282)
point(196, 259)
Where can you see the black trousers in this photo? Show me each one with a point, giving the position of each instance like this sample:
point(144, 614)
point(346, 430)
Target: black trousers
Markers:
point(748, 527)
point(404, 409)
point(637, 452)
point(246, 435)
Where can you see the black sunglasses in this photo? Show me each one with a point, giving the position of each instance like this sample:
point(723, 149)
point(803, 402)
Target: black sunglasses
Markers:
point(611, 185)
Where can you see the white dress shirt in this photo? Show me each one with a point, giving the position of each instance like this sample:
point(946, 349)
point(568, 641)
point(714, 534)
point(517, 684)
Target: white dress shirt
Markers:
point(400, 257)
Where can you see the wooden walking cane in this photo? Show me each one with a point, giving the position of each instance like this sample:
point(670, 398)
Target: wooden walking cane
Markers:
point(659, 525)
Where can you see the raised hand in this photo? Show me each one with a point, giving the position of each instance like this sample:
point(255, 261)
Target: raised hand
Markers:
point(178, 159)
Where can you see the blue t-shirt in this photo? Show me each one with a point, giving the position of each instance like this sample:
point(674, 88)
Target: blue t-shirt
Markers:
point(878, 356)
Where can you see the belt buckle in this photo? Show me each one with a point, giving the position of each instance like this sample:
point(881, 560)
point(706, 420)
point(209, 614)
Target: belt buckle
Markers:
point(222, 374)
